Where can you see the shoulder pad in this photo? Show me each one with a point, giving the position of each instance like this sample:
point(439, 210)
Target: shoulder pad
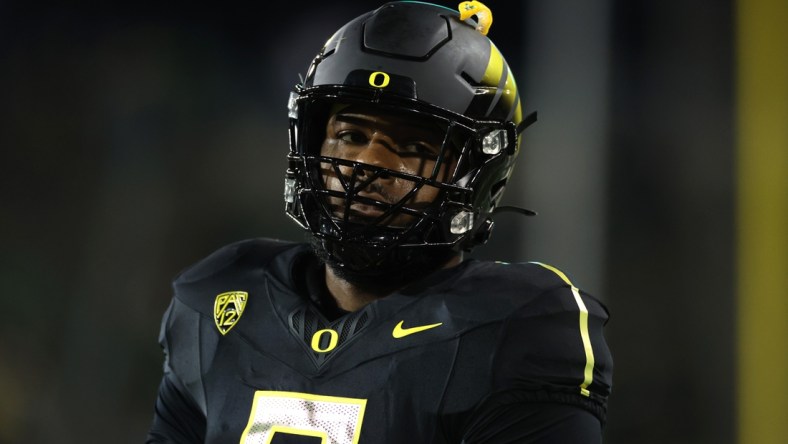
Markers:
point(556, 343)
point(251, 251)
point(516, 279)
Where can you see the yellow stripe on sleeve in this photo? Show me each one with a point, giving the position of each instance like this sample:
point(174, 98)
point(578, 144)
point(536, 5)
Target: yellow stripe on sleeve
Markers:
point(588, 372)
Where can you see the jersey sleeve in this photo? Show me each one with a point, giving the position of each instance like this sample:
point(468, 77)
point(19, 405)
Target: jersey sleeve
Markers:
point(552, 373)
point(176, 418)
point(556, 345)
point(179, 413)
point(506, 420)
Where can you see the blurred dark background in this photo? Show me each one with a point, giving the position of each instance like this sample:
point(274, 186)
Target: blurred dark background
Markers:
point(138, 137)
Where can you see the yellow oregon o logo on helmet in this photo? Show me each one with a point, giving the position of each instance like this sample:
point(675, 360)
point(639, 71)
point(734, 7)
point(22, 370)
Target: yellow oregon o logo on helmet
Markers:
point(379, 79)
point(332, 341)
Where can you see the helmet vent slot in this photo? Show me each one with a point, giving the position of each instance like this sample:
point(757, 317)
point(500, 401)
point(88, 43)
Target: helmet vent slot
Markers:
point(467, 77)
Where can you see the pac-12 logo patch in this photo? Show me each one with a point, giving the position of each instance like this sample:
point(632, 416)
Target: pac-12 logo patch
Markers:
point(228, 308)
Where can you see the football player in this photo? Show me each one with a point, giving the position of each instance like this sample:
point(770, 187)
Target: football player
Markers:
point(403, 135)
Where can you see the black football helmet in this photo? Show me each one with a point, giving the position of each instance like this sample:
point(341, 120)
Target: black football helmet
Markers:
point(418, 58)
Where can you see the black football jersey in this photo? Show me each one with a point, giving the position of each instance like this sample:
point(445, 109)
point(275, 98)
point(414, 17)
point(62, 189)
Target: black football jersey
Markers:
point(481, 352)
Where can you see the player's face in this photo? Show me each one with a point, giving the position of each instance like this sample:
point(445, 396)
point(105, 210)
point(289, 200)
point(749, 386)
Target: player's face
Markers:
point(383, 139)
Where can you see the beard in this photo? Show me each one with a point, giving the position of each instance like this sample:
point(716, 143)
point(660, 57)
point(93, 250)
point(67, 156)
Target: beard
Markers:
point(380, 270)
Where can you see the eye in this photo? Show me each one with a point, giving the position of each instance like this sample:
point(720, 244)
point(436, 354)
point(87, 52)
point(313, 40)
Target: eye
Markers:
point(352, 136)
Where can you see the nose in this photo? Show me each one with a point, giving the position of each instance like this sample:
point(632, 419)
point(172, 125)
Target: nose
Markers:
point(381, 151)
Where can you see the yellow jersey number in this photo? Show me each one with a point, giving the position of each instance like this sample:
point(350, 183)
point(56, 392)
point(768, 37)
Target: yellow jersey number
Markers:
point(333, 419)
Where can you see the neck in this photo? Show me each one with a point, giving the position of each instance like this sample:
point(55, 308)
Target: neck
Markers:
point(353, 297)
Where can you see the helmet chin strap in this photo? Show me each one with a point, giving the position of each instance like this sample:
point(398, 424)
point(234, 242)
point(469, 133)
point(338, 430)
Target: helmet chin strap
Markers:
point(529, 120)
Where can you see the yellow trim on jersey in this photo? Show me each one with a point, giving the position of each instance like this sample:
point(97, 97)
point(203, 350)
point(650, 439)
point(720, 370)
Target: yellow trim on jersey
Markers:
point(588, 372)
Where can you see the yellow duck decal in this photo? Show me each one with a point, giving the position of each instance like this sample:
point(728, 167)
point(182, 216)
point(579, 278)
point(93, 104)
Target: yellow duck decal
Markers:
point(480, 10)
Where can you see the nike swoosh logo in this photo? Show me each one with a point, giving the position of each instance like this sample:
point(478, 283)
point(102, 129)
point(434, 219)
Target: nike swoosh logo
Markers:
point(400, 332)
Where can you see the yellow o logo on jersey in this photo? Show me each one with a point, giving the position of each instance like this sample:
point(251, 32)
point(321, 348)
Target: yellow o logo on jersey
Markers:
point(379, 79)
point(332, 341)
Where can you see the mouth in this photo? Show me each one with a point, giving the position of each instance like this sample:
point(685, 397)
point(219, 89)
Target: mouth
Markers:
point(359, 213)
point(365, 211)
point(370, 209)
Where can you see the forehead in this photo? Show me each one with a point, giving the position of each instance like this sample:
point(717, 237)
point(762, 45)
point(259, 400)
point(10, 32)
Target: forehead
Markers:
point(386, 118)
